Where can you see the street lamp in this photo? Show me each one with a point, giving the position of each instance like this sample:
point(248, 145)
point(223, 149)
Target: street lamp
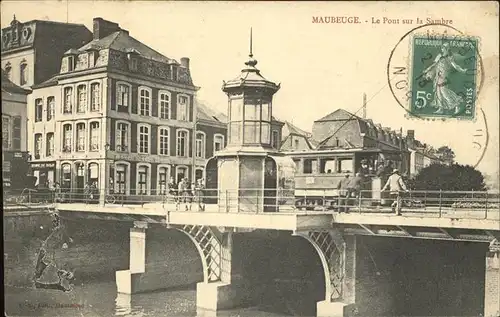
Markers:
point(107, 182)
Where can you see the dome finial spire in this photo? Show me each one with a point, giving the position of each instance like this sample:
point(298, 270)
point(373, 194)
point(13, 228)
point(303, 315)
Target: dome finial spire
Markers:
point(251, 61)
point(251, 54)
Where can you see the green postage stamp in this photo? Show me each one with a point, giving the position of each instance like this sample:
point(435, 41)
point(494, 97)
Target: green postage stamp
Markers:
point(444, 76)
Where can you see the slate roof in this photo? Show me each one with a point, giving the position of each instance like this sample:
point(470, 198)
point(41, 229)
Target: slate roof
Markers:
point(207, 113)
point(292, 129)
point(122, 41)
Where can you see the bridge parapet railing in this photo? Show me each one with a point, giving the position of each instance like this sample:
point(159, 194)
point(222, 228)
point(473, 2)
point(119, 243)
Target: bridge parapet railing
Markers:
point(457, 204)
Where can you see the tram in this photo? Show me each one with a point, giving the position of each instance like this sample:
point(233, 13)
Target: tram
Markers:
point(319, 172)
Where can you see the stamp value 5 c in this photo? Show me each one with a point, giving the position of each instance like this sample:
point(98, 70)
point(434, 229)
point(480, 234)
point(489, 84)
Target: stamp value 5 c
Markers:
point(444, 76)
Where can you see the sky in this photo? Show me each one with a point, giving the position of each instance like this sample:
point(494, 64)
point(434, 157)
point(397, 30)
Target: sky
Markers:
point(321, 67)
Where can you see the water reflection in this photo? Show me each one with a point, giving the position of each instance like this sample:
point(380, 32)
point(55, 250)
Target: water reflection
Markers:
point(101, 299)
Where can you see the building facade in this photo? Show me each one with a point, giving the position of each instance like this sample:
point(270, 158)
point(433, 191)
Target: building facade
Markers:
point(119, 115)
point(14, 135)
point(421, 154)
point(32, 51)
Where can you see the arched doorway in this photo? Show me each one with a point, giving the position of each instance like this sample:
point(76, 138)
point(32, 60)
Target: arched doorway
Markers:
point(211, 181)
point(270, 185)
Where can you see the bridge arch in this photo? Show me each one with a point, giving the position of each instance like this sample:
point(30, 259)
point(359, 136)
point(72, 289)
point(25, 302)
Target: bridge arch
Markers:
point(207, 242)
point(330, 248)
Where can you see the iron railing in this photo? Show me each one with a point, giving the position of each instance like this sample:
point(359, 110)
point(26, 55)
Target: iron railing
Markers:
point(456, 204)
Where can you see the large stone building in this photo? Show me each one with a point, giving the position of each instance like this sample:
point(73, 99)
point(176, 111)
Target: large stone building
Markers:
point(32, 51)
point(121, 115)
point(14, 131)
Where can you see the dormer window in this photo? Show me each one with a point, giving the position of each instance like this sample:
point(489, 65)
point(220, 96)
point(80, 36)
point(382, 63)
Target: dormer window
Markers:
point(93, 56)
point(132, 64)
point(71, 63)
point(174, 72)
point(132, 60)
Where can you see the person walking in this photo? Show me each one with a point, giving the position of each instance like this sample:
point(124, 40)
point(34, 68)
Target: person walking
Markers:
point(397, 185)
point(343, 193)
point(354, 187)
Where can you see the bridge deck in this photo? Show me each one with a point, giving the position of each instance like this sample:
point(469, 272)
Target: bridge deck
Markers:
point(290, 219)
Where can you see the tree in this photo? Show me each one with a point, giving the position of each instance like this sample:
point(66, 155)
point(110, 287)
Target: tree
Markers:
point(453, 177)
point(446, 154)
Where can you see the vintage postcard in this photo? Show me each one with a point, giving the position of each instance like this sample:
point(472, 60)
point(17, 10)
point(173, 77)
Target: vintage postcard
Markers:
point(238, 158)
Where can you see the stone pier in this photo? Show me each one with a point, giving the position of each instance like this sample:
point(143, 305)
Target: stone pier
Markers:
point(492, 281)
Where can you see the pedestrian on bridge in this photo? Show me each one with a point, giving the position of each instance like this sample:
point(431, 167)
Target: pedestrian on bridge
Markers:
point(343, 193)
point(397, 185)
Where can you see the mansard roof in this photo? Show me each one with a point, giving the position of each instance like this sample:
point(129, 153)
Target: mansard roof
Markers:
point(123, 42)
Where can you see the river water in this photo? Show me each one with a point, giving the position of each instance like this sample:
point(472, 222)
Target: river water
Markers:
point(101, 299)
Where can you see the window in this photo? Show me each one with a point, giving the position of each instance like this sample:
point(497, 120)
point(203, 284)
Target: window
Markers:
point(16, 133)
point(182, 108)
point(182, 143)
point(80, 137)
point(38, 110)
point(82, 98)
point(327, 166)
point(133, 64)
point(142, 180)
point(144, 102)
point(163, 141)
point(344, 166)
point(121, 178)
point(24, 73)
point(68, 91)
point(143, 139)
point(71, 63)
point(95, 97)
point(200, 145)
point(94, 136)
point(296, 143)
point(50, 144)
point(163, 176)
point(51, 108)
point(180, 173)
point(67, 137)
point(218, 142)
point(66, 176)
point(38, 145)
point(275, 143)
point(93, 173)
point(122, 135)
point(5, 132)
point(308, 166)
point(122, 95)
point(164, 105)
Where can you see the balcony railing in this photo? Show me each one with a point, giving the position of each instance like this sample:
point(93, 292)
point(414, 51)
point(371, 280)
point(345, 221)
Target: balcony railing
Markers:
point(451, 204)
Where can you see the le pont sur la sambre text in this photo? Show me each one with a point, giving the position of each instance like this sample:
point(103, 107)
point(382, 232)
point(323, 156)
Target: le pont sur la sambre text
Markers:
point(376, 20)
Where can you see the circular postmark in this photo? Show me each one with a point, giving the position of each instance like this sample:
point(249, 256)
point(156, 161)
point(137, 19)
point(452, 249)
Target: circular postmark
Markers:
point(435, 72)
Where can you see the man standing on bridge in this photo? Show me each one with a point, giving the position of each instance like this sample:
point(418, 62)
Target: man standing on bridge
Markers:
point(343, 193)
point(397, 185)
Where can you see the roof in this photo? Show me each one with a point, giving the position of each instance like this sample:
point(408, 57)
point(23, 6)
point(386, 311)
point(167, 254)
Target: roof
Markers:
point(49, 82)
point(209, 114)
point(123, 42)
point(10, 87)
point(292, 129)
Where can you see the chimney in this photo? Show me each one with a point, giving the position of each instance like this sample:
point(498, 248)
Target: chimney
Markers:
point(185, 62)
point(410, 134)
point(364, 106)
point(103, 28)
